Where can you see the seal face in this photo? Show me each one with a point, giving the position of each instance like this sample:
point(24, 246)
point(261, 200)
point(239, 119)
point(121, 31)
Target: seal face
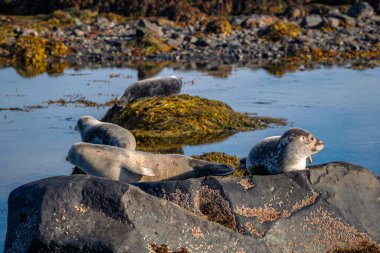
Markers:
point(136, 166)
point(152, 87)
point(94, 131)
point(277, 154)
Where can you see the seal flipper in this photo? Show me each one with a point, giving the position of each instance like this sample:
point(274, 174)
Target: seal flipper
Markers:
point(309, 160)
point(213, 169)
point(140, 170)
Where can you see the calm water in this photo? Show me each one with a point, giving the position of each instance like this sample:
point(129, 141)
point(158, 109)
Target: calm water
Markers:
point(340, 106)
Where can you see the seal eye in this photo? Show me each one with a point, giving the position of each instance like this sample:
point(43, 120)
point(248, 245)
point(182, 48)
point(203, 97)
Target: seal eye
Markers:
point(312, 138)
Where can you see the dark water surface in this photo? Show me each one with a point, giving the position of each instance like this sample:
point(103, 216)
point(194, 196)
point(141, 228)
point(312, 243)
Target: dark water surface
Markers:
point(340, 106)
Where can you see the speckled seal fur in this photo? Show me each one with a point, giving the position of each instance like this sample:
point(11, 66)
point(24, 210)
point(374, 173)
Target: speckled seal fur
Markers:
point(94, 131)
point(277, 154)
point(137, 166)
point(152, 87)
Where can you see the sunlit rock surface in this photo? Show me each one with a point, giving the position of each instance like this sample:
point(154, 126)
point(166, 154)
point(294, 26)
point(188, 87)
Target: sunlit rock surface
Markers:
point(330, 207)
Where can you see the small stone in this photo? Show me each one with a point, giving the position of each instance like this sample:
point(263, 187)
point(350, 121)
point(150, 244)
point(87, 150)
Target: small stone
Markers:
point(78, 32)
point(346, 20)
point(332, 22)
point(361, 10)
point(312, 21)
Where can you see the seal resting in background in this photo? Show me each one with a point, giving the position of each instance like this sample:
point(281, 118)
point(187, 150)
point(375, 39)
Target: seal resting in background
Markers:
point(152, 87)
point(136, 166)
point(277, 154)
point(94, 131)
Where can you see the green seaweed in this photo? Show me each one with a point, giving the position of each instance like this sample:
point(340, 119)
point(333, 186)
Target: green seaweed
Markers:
point(171, 122)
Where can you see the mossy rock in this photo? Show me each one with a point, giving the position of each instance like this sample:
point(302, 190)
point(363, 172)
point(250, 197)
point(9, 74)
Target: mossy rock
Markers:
point(31, 50)
point(279, 30)
point(174, 121)
point(150, 44)
point(220, 26)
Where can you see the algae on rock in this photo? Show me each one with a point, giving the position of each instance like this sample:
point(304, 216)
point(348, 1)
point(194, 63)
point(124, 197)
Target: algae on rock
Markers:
point(184, 119)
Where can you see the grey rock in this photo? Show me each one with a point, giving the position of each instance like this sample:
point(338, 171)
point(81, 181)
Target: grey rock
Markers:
point(144, 26)
point(312, 21)
point(346, 20)
point(332, 22)
point(374, 38)
point(237, 20)
point(360, 10)
point(329, 207)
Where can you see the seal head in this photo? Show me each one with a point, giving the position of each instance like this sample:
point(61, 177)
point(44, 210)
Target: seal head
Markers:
point(284, 153)
point(94, 131)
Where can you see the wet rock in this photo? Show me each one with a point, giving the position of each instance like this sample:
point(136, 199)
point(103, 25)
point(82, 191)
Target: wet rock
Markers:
point(312, 21)
point(361, 10)
point(330, 208)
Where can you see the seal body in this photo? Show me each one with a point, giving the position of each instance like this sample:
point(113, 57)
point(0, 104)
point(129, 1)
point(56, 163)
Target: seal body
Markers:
point(94, 131)
point(277, 154)
point(136, 166)
point(152, 87)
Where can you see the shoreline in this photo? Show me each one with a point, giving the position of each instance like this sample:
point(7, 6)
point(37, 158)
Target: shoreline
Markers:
point(71, 38)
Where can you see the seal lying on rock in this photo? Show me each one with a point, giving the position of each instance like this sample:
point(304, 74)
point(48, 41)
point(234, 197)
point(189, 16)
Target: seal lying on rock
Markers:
point(94, 131)
point(152, 87)
point(277, 154)
point(135, 166)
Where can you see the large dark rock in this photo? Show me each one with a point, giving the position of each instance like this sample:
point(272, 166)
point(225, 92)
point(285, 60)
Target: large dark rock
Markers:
point(330, 207)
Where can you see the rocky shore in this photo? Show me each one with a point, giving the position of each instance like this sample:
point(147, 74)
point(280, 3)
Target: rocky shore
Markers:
point(300, 37)
point(330, 208)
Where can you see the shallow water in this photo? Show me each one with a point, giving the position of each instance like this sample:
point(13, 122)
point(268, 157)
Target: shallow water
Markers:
point(340, 106)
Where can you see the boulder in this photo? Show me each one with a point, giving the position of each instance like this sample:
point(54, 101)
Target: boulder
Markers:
point(331, 207)
point(361, 10)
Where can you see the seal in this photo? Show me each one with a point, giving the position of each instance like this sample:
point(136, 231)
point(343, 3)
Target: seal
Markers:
point(152, 87)
point(136, 166)
point(277, 154)
point(94, 131)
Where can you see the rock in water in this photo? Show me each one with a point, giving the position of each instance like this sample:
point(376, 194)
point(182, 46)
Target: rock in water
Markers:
point(332, 207)
point(152, 87)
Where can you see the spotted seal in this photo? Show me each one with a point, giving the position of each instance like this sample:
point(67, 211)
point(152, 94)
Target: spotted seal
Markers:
point(152, 87)
point(277, 154)
point(94, 131)
point(136, 166)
